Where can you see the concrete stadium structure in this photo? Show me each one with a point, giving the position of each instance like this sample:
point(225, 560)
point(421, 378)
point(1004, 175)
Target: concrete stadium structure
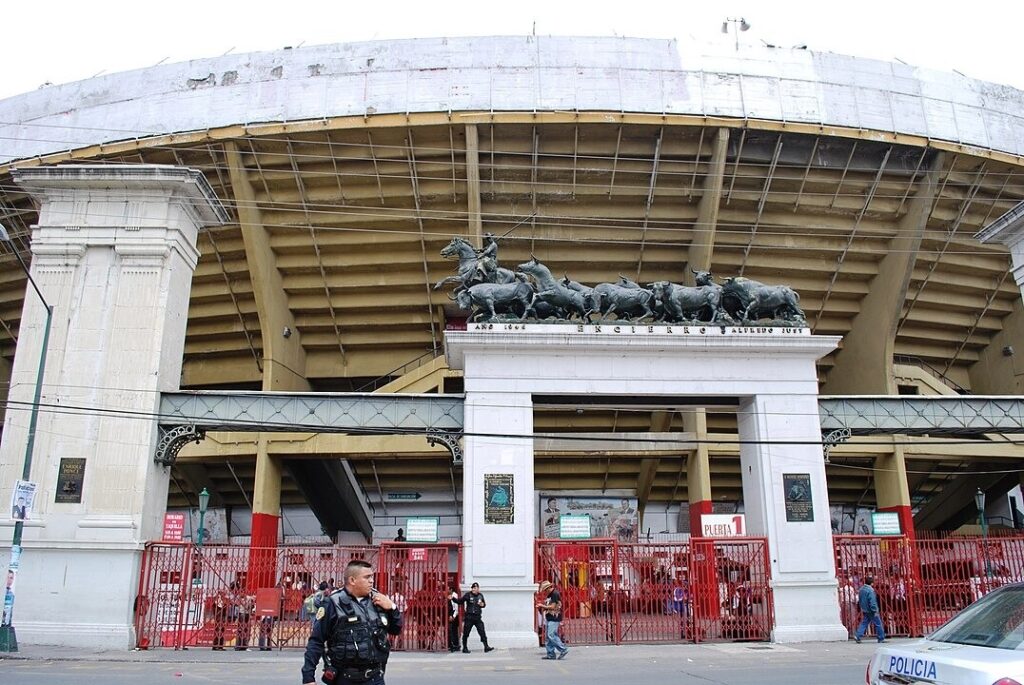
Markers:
point(332, 176)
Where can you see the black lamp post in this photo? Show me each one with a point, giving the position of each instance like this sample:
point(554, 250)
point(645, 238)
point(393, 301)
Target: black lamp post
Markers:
point(8, 638)
point(979, 501)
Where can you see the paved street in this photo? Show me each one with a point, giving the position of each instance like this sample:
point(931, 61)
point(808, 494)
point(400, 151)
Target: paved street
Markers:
point(725, 664)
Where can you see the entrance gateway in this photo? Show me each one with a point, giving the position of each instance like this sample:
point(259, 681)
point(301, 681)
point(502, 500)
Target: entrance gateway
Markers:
point(767, 373)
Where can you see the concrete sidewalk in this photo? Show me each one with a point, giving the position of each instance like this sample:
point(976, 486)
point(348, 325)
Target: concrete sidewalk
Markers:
point(833, 651)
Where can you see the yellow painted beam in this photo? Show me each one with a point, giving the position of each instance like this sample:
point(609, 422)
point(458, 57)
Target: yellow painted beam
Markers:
point(703, 243)
point(284, 359)
point(891, 488)
point(863, 366)
point(698, 469)
point(473, 183)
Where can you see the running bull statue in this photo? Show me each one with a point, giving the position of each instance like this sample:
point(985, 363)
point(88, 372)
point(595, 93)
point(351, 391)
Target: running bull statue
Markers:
point(531, 292)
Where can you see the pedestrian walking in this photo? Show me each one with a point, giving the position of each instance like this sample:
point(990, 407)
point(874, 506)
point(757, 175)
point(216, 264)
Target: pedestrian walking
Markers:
point(868, 601)
point(474, 602)
point(552, 608)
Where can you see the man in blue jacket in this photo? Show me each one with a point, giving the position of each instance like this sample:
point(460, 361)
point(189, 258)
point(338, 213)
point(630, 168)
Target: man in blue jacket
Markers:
point(868, 601)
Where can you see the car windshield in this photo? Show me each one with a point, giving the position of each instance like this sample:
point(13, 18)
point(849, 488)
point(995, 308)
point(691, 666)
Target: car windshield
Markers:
point(996, 620)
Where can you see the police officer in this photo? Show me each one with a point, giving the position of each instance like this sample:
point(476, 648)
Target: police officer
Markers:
point(353, 628)
point(475, 603)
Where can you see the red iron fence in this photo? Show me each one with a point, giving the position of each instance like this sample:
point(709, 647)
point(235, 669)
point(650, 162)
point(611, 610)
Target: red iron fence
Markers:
point(215, 596)
point(922, 583)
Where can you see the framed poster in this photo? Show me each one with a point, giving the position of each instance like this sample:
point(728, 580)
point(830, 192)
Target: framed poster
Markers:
point(70, 477)
point(499, 498)
point(796, 489)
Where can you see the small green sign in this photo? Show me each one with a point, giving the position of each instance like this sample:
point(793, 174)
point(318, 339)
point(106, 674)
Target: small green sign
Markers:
point(421, 529)
point(885, 523)
point(574, 527)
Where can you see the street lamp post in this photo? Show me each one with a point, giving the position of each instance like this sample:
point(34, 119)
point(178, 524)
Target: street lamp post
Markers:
point(979, 501)
point(8, 637)
point(204, 502)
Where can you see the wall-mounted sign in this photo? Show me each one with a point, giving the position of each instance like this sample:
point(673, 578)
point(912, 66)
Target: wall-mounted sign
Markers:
point(796, 489)
point(22, 498)
point(885, 523)
point(396, 496)
point(70, 478)
point(574, 527)
point(421, 529)
point(723, 525)
point(174, 528)
point(499, 498)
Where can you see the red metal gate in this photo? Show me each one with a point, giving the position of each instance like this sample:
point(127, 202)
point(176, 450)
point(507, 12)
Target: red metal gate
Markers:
point(660, 592)
point(892, 562)
point(419, 579)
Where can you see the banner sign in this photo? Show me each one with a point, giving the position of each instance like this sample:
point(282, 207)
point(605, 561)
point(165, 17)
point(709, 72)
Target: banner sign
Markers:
point(609, 516)
point(723, 525)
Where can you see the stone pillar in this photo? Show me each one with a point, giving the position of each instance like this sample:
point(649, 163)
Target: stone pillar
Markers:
point(113, 253)
point(499, 556)
point(781, 436)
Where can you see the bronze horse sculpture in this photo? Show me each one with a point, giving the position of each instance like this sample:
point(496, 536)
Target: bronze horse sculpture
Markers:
point(472, 269)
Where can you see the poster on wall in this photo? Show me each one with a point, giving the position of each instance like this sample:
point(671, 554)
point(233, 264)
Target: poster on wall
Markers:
point(215, 525)
point(499, 498)
point(70, 478)
point(22, 498)
point(796, 489)
point(610, 517)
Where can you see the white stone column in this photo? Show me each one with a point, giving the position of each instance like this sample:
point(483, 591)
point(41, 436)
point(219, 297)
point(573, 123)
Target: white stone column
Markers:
point(499, 556)
point(113, 252)
point(780, 434)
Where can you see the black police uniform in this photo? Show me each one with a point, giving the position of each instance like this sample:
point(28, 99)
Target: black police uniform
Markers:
point(354, 633)
point(474, 617)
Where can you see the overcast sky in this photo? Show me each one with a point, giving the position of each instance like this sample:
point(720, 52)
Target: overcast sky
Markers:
point(59, 41)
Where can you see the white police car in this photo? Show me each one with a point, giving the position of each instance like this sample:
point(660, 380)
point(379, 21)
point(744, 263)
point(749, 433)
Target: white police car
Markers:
point(982, 645)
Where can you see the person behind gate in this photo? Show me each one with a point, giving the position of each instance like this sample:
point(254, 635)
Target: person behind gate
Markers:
point(475, 603)
point(453, 620)
point(352, 627)
point(868, 601)
point(552, 607)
